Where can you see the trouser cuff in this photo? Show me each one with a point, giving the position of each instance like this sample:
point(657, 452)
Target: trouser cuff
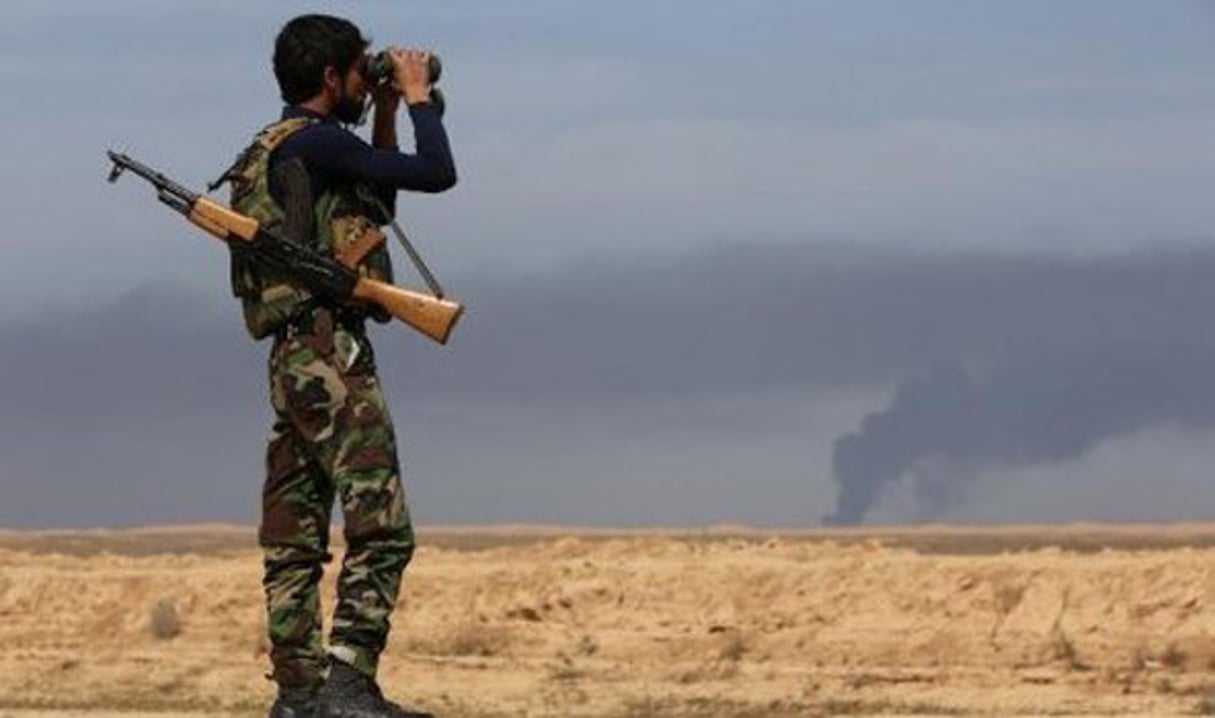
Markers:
point(360, 658)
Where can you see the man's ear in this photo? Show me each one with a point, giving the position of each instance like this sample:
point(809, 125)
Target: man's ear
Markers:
point(333, 80)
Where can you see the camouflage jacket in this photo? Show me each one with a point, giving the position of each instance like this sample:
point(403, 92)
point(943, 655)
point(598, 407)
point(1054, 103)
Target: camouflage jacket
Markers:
point(341, 225)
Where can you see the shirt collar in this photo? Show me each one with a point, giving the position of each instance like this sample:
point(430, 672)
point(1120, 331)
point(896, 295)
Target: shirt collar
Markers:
point(293, 111)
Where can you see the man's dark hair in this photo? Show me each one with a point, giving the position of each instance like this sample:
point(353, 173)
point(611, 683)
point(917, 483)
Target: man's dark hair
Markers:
point(306, 46)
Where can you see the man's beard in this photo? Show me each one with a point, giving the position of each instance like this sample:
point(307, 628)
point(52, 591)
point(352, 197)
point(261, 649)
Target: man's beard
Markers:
point(348, 109)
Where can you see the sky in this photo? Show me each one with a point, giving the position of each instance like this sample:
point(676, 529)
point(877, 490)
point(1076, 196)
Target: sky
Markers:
point(768, 262)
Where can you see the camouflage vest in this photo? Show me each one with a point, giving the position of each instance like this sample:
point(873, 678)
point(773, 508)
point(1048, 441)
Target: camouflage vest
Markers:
point(343, 229)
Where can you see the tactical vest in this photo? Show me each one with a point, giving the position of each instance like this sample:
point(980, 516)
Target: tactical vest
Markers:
point(342, 229)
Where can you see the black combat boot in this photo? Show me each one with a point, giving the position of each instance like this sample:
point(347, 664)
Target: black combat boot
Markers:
point(349, 693)
point(294, 704)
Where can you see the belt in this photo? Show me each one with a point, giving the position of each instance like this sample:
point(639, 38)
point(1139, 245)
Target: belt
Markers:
point(304, 321)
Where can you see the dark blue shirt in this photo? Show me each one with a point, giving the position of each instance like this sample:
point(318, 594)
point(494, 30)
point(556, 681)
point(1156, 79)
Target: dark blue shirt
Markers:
point(332, 154)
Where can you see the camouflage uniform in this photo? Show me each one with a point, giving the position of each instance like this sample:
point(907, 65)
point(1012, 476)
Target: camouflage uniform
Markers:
point(332, 438)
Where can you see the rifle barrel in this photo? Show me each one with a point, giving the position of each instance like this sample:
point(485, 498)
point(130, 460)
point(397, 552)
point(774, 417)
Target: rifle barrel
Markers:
point(162, 183)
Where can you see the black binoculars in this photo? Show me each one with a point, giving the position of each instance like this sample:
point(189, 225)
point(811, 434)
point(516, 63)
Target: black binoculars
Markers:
point(378, 68)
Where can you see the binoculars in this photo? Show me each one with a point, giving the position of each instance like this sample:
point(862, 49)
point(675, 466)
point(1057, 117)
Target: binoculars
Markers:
point(378, 68)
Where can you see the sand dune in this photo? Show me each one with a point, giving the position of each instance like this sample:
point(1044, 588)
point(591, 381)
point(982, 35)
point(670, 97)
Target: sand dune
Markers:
point(733, 622)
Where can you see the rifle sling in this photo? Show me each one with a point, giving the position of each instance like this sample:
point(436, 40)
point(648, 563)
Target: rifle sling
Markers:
point(414, 257)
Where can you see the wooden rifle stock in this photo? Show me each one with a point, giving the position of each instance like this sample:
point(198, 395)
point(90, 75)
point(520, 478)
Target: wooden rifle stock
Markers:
point(430, 315)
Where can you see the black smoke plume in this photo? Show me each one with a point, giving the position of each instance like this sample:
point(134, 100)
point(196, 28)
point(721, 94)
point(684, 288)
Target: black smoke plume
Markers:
point(995, 359)
point(942, 429)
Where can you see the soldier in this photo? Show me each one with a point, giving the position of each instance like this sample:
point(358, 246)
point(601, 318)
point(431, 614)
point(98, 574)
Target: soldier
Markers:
point(332, 435)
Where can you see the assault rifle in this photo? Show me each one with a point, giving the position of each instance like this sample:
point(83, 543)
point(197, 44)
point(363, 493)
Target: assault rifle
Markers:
point(434, 316)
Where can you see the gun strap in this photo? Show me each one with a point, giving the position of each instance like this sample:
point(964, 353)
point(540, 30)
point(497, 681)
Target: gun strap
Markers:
point(414, 257)
point(229, 173)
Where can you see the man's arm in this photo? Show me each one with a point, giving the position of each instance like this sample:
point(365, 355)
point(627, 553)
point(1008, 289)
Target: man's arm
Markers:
point(384, 137)
point(384, 130)
point(332, 149)
point(329, 149)
point(411, 80)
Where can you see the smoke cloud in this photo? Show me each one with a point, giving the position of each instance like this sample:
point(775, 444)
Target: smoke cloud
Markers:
point(942, 429)
point(667, 378)
point(1051, 360)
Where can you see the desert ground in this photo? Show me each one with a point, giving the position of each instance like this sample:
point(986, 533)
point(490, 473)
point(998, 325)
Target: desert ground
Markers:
point(566, 621)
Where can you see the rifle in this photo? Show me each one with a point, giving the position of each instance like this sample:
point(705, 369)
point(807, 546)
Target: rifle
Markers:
point(433, 316)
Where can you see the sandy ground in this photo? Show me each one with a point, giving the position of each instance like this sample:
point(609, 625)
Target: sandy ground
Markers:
point(533, 621)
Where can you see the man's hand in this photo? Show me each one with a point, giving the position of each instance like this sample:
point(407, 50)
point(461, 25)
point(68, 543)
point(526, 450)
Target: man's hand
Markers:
point(412, 77)
point(386, 98)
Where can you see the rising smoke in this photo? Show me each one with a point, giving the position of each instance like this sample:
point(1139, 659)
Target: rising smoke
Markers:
point(944, 428)
point(991, 360)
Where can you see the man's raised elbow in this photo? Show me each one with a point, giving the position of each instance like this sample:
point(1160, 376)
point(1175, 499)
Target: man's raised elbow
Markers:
point(437, 180)
point(446, 180)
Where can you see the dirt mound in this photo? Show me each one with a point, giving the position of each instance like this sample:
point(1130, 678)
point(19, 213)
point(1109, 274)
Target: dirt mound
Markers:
point(643, 625)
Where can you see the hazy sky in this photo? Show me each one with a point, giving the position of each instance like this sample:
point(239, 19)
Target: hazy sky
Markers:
point(699, 241)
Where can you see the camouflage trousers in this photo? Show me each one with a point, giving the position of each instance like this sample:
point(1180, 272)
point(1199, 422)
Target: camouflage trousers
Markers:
point(332, 438)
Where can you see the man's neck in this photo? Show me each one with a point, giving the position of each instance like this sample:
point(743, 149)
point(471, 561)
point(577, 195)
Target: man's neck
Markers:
point(317, 105)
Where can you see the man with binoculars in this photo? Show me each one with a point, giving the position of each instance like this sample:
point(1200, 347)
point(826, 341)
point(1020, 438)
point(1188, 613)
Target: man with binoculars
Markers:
point(314, 181)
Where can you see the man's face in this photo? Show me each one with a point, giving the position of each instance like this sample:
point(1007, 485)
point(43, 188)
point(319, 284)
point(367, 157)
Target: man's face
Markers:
point(351, 96)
